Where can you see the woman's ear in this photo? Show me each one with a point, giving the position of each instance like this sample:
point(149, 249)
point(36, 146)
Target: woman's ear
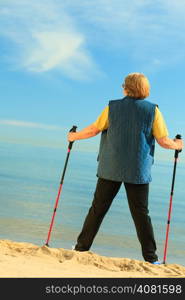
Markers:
point(125, 92)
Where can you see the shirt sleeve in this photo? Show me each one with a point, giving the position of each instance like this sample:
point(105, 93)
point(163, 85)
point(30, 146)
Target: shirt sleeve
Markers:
point(102, 122)
point(159, 128)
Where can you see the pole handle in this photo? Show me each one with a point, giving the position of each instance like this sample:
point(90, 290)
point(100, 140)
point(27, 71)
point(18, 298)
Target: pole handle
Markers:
point(73, 129)
point(178, 136)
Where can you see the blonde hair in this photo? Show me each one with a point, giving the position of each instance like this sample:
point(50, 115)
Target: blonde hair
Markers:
point(137, 85)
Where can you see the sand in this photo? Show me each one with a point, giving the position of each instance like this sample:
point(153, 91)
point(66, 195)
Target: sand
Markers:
point(26, 260)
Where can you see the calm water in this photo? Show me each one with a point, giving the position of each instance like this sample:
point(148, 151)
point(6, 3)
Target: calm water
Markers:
point(29, 181)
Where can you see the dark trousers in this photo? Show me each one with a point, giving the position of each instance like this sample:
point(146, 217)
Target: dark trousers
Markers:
point(137, 195)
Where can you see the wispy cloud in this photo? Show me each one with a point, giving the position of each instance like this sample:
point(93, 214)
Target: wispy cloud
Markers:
point(29, 125)
point(62, 35)
point(44, 38)
point(150, 32)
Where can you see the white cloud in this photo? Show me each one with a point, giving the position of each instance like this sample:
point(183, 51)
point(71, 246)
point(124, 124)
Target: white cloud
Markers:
point(61, 35)
point(45, 38)
point(52, 49)
point(29, 125)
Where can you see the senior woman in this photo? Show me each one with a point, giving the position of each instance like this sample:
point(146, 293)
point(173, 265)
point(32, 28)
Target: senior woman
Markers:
point(129, 129)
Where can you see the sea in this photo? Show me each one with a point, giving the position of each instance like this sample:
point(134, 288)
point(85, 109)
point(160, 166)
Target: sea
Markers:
point(29, 182)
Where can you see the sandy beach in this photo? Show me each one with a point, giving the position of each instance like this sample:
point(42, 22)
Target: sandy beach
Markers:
point(26, 260)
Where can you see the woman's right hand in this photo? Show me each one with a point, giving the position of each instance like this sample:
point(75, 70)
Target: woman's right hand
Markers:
point(179, 143)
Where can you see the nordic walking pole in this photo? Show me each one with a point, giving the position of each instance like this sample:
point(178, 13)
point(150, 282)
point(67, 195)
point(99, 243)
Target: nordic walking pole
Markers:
point(178, 136)
point(73, 129)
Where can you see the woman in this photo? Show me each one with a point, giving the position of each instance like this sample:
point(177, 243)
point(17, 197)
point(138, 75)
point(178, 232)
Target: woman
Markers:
point(129, 129)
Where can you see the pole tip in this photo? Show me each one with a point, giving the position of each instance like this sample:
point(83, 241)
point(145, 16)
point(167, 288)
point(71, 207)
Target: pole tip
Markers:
point(47, 244)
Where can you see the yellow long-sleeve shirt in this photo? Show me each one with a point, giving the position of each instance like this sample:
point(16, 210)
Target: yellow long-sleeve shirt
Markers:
point(159, 128)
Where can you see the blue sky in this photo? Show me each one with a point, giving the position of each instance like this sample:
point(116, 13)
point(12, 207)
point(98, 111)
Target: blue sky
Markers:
point(62, 61)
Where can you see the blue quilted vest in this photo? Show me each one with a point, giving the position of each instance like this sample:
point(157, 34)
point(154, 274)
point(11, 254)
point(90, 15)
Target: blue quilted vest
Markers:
point(127, 147)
